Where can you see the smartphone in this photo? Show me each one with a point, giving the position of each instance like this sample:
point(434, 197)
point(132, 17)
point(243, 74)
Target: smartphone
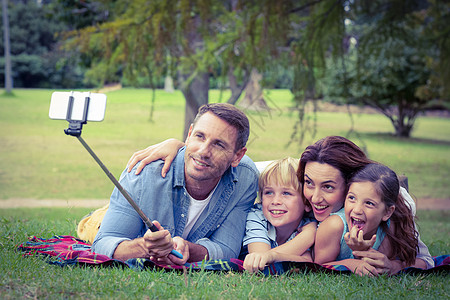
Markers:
point(60, 110)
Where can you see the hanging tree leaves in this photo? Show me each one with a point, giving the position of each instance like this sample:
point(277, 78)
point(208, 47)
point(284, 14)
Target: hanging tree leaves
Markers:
point(194, 40)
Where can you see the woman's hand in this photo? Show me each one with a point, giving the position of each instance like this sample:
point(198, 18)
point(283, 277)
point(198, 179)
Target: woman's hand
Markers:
point(355, 240)
point(363, 268)
point(166, 150)
point(379, 261)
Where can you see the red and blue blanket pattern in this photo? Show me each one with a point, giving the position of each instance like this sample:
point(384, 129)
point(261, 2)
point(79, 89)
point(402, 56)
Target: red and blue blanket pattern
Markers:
point(66, 250)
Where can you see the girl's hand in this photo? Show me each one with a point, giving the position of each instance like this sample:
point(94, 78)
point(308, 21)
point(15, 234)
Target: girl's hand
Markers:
point(166, 150)
point(355, 240)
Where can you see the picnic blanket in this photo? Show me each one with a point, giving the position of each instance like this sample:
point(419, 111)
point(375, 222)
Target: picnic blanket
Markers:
point(64, 250)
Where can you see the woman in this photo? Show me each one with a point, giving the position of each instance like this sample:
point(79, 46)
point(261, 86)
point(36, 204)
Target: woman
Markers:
point(324, 171)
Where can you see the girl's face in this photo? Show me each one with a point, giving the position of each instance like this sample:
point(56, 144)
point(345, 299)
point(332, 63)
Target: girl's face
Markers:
point(282, 206)
point(365, 209)
point(324, 188)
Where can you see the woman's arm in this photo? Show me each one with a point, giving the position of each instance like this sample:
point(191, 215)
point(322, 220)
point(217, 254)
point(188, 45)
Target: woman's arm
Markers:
point(300, 243)
point(166, 150)
point(261, 255)
point(328, 240)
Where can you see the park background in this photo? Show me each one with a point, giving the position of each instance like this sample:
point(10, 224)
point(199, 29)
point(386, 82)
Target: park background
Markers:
point(296, 84)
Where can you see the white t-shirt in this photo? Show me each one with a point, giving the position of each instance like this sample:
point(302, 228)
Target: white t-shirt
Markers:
point(196, 207)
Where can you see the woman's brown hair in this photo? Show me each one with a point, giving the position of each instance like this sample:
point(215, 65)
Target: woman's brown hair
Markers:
point(337, 151)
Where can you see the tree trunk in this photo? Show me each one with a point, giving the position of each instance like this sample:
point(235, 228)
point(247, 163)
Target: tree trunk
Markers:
point(236, 89)
point(254, 99)
point(195, 94)
point(405, 117)
point(168, 84)
point(8, 76)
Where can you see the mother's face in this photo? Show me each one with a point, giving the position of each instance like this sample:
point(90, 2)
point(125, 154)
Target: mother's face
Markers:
point(324, 188)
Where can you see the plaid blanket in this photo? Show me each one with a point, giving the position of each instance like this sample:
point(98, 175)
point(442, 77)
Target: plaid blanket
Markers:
point(64, 250)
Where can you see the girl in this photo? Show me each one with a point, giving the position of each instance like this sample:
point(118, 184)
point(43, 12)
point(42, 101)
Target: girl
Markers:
point(276, 229)
point(375, 216)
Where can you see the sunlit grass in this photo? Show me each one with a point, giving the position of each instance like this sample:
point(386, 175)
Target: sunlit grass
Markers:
point(37, 160)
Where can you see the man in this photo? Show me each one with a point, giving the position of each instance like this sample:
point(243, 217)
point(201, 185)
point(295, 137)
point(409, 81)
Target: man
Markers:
point(202, 202)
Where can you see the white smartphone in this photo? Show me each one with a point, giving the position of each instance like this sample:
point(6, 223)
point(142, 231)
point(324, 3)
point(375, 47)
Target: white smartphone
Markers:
point(59, 106)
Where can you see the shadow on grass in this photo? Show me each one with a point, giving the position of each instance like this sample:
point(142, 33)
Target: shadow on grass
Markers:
point(8, 95)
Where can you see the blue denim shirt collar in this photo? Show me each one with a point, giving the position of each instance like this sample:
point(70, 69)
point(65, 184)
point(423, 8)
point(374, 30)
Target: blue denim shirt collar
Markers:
point(178, 165)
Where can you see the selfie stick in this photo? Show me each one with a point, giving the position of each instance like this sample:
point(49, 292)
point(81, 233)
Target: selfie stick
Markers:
point(75, 127)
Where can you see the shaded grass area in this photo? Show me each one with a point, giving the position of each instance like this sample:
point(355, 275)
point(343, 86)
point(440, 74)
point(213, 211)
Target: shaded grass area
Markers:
point(30, 277)
point(37, 160)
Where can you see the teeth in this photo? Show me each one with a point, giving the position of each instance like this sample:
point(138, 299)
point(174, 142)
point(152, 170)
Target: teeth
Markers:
point(358, 222)
point(320, 206)
point(277, 212)
point(200, 163)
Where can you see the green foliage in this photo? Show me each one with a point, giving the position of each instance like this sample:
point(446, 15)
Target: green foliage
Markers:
point(389, 67)
point(287, 41)
point(36, 60)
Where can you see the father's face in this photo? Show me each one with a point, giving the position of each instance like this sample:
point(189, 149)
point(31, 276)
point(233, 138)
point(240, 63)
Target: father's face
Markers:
point(210, 150)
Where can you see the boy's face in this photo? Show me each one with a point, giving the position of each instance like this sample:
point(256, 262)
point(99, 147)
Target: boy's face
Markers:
point(282, 206)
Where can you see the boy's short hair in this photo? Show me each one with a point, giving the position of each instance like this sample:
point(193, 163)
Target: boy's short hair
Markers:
point(283, 172)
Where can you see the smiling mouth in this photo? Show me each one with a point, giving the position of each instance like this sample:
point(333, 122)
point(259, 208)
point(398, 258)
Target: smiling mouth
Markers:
point(199, 163)
point(358, 223)
point(277, 212)
point(320, 207)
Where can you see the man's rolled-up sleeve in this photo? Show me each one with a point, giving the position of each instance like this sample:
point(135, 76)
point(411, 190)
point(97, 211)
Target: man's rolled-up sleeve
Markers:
point(121, 221)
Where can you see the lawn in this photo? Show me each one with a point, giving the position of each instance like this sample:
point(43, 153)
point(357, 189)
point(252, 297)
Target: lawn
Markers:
point(30, 277)
point(38, 161)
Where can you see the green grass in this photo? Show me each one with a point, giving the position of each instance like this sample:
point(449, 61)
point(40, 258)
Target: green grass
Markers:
point(38, 161)
point(30, 277)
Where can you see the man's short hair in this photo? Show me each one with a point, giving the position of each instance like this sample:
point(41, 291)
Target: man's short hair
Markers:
point(230, 114)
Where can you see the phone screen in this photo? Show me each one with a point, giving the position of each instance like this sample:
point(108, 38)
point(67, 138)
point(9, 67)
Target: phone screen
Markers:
point(59, 106)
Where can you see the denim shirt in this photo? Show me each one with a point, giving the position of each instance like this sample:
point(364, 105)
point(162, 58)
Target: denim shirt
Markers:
point(220, 228)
